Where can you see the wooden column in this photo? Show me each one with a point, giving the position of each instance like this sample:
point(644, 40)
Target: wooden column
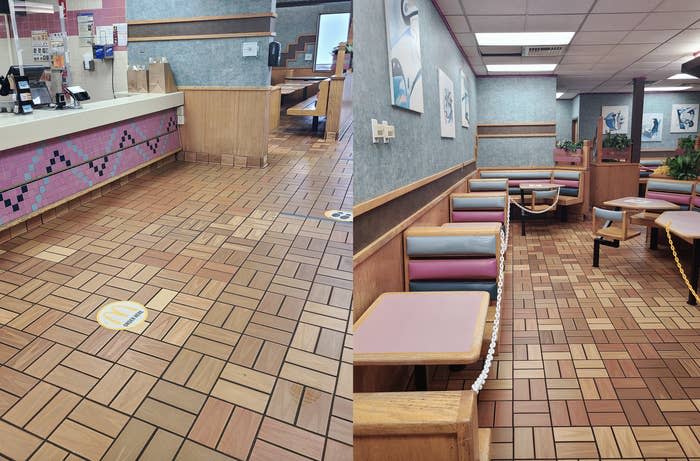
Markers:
point(637, 111)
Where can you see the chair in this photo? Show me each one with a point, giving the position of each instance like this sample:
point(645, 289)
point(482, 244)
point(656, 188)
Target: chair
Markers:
point(611, 225)
point(315, 106)
point(543, 199)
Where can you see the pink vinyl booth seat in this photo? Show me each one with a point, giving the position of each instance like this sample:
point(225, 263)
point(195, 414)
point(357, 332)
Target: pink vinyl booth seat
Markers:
point(454, 259)
point(478, 207)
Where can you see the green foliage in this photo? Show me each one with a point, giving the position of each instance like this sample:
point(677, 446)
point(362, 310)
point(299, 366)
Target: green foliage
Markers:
point(617, 141)
point(684, 167)
point(687, 144)
point(569, 146)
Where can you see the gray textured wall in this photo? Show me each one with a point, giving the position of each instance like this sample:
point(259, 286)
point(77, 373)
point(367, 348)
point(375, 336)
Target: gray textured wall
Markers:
point(215, 62)
point(418, 150)
point(591, 106)
point(564, 113)
point(303, 20)
point(516, 99)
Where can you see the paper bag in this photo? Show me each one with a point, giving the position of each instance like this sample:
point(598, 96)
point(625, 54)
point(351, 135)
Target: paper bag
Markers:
point(137, 81)
point(160, 78)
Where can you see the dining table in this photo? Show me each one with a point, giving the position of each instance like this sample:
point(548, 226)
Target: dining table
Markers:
point(685, 225)
point(648, 210)
point(421, 329)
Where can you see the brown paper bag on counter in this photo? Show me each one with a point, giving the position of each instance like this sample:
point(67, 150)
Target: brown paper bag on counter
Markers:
point(160, 78)
point(137, 81)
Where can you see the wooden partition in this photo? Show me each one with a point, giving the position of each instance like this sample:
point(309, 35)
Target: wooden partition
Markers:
point(227, 125)
point(280, 73)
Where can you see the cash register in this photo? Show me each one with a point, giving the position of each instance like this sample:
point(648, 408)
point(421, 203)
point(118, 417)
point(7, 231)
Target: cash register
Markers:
point(29, 89)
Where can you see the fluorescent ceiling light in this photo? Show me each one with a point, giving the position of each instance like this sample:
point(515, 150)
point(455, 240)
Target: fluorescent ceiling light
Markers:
point(524, 38)
point(520, 67)
point(666, 88)
point(682, 77)
point(560, 94)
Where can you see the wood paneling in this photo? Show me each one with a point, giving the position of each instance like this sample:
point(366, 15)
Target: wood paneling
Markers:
point(334, 106)
point(227, 125)
point(516, 130)
point(613, 180)
point(275, 107)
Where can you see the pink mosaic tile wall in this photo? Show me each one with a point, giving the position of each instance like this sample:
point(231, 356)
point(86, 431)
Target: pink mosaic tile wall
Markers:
point(112, 11)
point(37, 175)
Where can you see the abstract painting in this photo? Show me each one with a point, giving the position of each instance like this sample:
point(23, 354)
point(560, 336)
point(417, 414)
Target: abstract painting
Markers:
point(652, 125)
point(465, 99)
point(684, 118)
point(447, 105)
point(405, 67)
point(615, 119)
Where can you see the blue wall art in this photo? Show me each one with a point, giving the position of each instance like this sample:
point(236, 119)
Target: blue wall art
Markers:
point(447, 105)
point(464, 84)
point(652, 127)
point(405, 67)
point(684, 118)
point(615, 119)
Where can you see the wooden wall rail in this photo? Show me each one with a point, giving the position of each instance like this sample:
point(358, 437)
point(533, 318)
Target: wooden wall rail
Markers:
point(203, 27)
point(517, 130)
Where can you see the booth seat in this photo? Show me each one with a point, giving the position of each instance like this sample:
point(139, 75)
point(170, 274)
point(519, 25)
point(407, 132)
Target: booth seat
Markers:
point(478, 207)
point(452, 259)
point(648, 165)
point(572, 182)
point(487, 185)
point(671, 190)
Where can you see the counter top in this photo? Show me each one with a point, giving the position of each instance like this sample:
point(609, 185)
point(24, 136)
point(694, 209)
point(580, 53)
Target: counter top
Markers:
point(20, 130)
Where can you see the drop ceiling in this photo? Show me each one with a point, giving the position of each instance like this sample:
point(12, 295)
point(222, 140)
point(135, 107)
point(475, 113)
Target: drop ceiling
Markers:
point(615, 40)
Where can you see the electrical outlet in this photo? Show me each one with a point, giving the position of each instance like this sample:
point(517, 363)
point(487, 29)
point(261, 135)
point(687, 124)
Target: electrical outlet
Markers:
point(309, 57)
point(382, 131)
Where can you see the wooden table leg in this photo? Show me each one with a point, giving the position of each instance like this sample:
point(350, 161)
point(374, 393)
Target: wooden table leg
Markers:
point(421, 377)
point(694, 272)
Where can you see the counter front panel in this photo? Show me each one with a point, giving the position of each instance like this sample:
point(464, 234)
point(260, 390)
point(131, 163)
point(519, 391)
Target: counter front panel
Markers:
point(38, 175)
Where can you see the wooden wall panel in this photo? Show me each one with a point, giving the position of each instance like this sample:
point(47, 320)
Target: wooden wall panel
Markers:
point(227, 125)
point(279, 73)
point(613, 180)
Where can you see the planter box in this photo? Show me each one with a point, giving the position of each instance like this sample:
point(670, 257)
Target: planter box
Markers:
point(565, 156)
point(608, 153)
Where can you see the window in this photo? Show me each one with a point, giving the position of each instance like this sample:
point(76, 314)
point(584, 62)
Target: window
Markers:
point(332, 29)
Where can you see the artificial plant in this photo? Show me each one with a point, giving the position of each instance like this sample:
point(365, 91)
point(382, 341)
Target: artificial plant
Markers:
point(684, 167)
point(617, 141)
point(687, 144)
point(569, 146)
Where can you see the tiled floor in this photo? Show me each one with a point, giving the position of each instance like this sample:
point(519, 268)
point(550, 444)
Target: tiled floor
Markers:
point(594, 363)
point(244, 352)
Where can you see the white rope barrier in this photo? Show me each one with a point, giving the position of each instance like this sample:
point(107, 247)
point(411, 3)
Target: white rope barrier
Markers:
point(481, 379)
point(531, 211)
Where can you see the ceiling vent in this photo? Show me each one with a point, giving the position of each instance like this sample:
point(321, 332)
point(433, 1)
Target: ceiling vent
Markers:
point(556, 50)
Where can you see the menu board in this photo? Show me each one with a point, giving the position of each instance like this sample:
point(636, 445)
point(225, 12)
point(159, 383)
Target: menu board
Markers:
point(40, 45)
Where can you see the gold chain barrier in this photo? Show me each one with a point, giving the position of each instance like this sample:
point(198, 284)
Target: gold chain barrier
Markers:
point(678, 262)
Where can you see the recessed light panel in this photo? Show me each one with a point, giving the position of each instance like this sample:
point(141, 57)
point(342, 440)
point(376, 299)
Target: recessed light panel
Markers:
point(520, 67)
point(682, 77)
point(524, 38)
point(666, 88)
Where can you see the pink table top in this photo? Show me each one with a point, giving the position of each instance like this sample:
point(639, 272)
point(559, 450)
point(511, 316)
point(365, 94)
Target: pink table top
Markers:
point(421, 328)
point(639, 203)
point(685, 224)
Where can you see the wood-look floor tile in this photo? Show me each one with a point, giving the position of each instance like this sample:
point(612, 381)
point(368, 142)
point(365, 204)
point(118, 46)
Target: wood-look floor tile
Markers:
point(133, 393)
point(80, 439)
point(165, 416)
point(240, 433)
point(16, 443)
point(211, 422)
point(163, 445)
point(53, 413)
point(99, 417)
point(31, 404)
point(295, 439)
point(130, 442)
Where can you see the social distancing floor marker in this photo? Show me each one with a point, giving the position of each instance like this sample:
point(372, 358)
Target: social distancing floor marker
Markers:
point(121, 315)
point(339, 215)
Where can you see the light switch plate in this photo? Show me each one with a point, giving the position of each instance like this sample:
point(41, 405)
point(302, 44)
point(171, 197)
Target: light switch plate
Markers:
point(250, 49)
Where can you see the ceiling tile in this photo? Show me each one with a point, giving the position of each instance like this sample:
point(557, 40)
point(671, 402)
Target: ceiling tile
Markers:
point(617, 61)
point(592, 50)
point(598, 38)
point(649, 36)
point(607, 22)
point(679, 5)
point(450, 6)
point(471, 51)
point(584, 59)
point(502, 59)
point(553, 23)
point(558, 6)
point(493, 7)
point(497, 23)
point(458, 24)
point(466, 39)
point(479, 70)
point(665, 21)
point(632, 49)
point(625, 6)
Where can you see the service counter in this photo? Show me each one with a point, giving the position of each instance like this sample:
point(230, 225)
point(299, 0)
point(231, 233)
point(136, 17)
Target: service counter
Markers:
point(52, 156)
